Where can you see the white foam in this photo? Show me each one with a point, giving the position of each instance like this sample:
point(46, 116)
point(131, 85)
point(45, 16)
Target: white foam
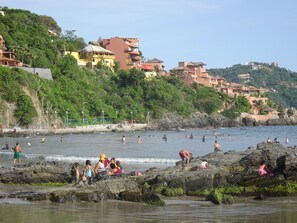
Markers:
point(95, 159)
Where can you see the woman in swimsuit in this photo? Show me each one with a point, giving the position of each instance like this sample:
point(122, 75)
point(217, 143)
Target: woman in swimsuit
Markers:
point(88, 172)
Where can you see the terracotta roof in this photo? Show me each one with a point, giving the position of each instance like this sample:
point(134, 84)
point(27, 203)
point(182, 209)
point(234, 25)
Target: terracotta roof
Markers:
point(147, 67)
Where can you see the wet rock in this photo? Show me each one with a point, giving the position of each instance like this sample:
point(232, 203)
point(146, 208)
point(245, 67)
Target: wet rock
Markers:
point(230, 169)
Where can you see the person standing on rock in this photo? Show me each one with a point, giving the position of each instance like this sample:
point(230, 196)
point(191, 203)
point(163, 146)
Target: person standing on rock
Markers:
point(185, 155)
point(17, 154)
point(76, 173)
point(217, 146)
point(88, 172)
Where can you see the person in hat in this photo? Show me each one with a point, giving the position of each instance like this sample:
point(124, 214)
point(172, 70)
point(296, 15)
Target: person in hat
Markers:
point(104, 160)
point(100, 168)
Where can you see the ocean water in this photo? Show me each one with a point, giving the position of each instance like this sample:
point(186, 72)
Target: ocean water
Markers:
point(153, 151)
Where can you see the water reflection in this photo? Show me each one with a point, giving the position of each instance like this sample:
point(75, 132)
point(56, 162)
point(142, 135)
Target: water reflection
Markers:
point(273, 210)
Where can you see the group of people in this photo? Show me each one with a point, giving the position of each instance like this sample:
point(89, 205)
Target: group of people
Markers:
point(276, 140)
point(138, 139)
point(104, 167)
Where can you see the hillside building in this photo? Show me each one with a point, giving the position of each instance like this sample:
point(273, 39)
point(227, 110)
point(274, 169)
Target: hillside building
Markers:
point(126, 51)
point(93, 54)
point(192, 72)
point(7, 58)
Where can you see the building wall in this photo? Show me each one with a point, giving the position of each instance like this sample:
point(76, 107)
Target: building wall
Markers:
point(107, 59)
point(126, 51)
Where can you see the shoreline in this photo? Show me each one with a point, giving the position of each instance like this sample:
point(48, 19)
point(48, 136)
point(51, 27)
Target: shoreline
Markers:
point(76, 130)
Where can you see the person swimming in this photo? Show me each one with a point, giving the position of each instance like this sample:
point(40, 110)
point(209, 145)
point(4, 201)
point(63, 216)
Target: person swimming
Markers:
point(6, 147)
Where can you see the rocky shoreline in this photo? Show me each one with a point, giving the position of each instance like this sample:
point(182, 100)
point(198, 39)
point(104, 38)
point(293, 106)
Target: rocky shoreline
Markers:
point(230, 174)
point(168, 123)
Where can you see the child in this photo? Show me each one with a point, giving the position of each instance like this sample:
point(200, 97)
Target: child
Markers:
point(114, 169)
point(76, 173)
point(119, 165)
point(88, 172)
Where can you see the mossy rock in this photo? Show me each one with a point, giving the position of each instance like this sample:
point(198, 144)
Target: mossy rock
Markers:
point(148, 198)
point(227, 199)
point(173, 192)
point(177, 183)
point(158, 188)
point(200, 193)
point(215, 197)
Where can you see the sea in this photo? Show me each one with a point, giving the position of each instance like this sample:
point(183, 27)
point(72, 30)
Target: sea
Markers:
point(157, 149)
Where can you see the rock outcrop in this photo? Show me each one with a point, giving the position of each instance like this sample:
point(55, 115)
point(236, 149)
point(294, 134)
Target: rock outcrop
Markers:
point(232, 173)
point(196, 120)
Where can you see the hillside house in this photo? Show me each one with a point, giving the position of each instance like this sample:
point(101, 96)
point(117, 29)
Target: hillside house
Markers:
point(196, 73)
point(126, 51)
point(7, 58)
point(93, 54)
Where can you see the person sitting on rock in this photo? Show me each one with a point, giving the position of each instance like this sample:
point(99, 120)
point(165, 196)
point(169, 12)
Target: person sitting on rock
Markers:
point(263, 170)
point(114, 169)
point(100, 169)
point(185, 156)
point(119, 165)
point(203, 165)
point(105, 160)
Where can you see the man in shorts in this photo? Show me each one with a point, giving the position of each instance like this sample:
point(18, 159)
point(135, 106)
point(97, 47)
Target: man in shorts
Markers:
point(185, 156)
point(17, 154)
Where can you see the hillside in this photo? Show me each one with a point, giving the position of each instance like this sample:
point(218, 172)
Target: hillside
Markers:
point(82, 95)
point(282, 83)
point(91, 95)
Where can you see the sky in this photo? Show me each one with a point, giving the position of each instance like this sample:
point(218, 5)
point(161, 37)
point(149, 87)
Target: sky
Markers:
point(219, 33)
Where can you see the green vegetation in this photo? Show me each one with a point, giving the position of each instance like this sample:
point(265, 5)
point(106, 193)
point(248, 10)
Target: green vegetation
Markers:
point(84, 95)
point(94, 93)
point(173, 192)
point(215, 197)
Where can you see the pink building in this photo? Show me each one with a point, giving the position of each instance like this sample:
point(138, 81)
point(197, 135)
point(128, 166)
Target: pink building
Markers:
point(126, 51)
point(195, 73)
point(158, 66)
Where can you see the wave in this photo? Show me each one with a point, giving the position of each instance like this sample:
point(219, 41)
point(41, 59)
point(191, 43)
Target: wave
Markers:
point(71, 159)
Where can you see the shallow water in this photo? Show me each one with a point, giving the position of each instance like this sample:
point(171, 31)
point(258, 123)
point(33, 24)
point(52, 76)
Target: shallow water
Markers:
point(152, 152)
point(273, 210)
